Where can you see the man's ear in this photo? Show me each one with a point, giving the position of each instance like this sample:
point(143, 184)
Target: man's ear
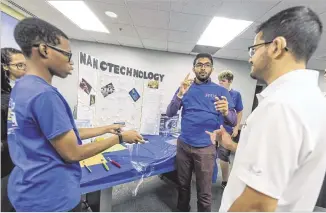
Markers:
point(43, 50)
point(278, 46)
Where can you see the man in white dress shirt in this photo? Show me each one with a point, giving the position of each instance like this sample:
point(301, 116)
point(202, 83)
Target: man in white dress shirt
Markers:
point(280, 160)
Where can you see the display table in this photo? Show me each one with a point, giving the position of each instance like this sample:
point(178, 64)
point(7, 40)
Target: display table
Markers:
point(145, 160)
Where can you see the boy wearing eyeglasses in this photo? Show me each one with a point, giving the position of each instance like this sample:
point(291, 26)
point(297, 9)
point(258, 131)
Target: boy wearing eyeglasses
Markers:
point(204, 105)
point(44, 142)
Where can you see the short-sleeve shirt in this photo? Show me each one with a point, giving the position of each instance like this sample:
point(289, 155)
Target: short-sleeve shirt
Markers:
point(281, 152)
point(41, 180)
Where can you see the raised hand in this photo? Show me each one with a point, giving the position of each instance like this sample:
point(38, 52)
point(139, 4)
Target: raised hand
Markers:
point(185, 85)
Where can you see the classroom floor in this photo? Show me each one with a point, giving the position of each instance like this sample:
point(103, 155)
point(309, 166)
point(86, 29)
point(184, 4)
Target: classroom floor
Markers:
point(157, 195)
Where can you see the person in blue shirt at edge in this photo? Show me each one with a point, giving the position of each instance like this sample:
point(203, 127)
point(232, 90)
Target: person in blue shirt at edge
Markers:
point(225, 79)
point(205, 105)
point(44, 143)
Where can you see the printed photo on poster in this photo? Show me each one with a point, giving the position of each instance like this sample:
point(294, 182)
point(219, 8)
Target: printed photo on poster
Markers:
point(134, 94)
point(92, 100)
point(107, 90)
point(84, 85)
point(168, 125)
point(153, 84)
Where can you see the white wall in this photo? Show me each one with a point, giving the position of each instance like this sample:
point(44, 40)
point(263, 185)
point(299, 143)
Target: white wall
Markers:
point(174, 66)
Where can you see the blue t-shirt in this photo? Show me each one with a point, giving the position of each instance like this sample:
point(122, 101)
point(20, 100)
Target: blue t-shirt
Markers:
point(41, 180)
point(199, 113)
point(237, 100)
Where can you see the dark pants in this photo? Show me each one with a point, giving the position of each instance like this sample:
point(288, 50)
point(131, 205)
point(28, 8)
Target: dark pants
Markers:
point(202, 161)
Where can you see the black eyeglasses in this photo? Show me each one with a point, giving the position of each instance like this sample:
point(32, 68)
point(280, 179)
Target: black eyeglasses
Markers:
point(66, 53)
point(200, 65)
point(252, 49)
point(20, 66)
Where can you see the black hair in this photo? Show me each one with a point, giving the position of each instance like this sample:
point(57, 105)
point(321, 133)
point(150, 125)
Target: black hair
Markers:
point(203, 55)
point(300, 26)
point(31, 31)
point(6, 57)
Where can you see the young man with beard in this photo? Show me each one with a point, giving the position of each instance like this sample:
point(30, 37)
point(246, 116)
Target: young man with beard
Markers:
point(280, 161)
point(205, 105)
point(44, 142)
point(225, 79)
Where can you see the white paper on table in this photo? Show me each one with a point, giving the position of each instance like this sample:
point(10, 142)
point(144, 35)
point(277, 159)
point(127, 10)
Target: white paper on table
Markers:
point(151, 111)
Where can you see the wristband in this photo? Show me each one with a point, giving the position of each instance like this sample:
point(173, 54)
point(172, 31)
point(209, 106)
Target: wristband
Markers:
point(120, 138)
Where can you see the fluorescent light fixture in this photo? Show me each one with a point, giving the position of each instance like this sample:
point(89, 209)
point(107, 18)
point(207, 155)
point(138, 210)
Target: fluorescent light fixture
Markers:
point(111, 14)
point(222, 30)
point(80, 14)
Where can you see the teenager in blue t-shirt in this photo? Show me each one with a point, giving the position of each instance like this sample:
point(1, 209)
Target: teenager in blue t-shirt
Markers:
point(205, 106)
point(43, 140)
point(225, 79)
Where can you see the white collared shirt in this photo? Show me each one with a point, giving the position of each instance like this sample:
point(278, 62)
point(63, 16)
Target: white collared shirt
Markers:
point(281, 152)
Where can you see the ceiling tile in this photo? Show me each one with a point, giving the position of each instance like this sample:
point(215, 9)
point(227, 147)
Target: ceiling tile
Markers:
point(152, 33)
point(226, 53)
point(246, 10)
point(319, 6)
point(163, 5)
point(122, 30)
point(183, 37)
point(103, 37)
point(130, 41)
point(117, 2)
point(180, 47)
point(243, 56)
point(188, 22)
point(240, 44)
point(201, 7)
point(150, 18)
point(99, 8)
point(249, 33)
point(156, 45)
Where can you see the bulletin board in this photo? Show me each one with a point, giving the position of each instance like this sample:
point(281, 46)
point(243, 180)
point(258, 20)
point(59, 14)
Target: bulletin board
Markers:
point(109, 93)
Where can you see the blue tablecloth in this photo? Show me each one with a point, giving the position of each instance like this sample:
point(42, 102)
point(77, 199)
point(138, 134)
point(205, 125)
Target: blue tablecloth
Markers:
point(155, 157)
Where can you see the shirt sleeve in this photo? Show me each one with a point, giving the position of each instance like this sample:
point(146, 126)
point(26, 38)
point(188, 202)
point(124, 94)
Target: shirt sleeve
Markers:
point(174, 105)
point(270, 156)
point(226, 94)
point(49, 112)
point(238, 104)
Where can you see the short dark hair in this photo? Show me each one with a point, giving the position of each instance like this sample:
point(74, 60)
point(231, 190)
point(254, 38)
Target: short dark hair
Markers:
point(203, 55)
point(300, 26)
point(6, 58)
point(31, 31)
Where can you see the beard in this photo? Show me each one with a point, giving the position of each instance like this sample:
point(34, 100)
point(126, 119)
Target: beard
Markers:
point(263, 67)
point(202, 78)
